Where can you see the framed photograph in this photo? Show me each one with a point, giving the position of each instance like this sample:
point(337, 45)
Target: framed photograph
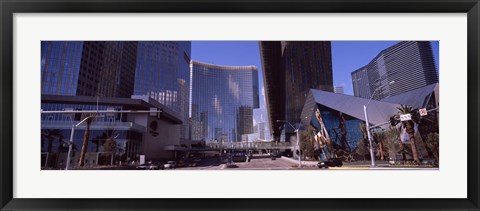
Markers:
point(259, 105)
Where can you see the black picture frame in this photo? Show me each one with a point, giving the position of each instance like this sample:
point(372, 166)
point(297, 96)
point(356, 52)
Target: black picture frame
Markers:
point(10, 7)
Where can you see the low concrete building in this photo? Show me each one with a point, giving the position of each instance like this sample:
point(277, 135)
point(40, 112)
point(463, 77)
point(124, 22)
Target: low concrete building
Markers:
point(114, 138)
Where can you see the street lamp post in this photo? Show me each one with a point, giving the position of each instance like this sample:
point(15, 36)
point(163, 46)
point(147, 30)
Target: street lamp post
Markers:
point(298, 142)
point(299, 150)
point(70, 147)
point(367, 127)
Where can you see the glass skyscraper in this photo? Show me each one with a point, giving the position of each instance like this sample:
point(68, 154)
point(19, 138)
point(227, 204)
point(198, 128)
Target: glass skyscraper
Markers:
point(158, 69)
point(291, 69)
point(90, 68)
point(410, 64)
point(223, 99)
point(73, 73)
point(163, 73)
point(60, 67)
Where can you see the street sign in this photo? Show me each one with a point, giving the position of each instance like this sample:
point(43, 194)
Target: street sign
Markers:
point(423, 112)
point(405, 117)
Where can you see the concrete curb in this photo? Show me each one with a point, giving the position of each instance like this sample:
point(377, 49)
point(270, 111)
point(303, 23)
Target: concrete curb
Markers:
point(304, 163)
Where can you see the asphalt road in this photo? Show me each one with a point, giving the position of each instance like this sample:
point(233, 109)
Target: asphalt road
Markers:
point(266, 163)
point(206, 164)
point(258, 162)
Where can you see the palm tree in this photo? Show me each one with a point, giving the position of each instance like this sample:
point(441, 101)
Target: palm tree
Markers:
point(409, 127)
point(306, 143)
point(51, 135)
point(393, 142)
point(88, 121)
point(362, 145)
point(99, 140)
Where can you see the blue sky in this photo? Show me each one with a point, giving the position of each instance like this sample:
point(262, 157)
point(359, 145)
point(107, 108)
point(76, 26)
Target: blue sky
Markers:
point(347, 56)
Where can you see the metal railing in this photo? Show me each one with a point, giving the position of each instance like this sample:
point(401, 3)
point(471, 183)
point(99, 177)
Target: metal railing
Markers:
point(251, 145)
point(48, 124)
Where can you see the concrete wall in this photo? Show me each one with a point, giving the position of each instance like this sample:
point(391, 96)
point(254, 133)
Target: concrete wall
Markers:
point(59, 160)
point(154, 141)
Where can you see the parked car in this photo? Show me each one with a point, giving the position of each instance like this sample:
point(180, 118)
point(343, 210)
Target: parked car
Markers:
point(273, 156)
point(332, 162)
point(231, 164)
point(239, 157)
point(150, 166)
point(170, 165)
point(144, 166)
point(156, 166)
point(180, 164)
point(286, 154)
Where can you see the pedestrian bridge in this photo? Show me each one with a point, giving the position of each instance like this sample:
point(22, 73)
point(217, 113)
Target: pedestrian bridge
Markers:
point(247, 146)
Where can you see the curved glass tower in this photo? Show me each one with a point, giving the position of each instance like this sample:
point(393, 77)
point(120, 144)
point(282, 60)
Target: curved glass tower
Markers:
point(222, 101)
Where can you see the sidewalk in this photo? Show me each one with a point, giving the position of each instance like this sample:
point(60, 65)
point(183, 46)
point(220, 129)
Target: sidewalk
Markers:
point(365, 163)
point(380, 165)
point(304, 163)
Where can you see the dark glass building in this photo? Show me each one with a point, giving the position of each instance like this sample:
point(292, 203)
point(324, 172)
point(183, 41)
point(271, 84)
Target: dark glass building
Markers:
point(74, 73)
point(60, 67)
point(245, 121)
point(410, 64)
point(291, 69)
point(223, 98)
point(163, 73)
point(90, 68)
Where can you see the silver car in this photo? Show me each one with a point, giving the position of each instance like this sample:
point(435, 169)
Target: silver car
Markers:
point(170, 165)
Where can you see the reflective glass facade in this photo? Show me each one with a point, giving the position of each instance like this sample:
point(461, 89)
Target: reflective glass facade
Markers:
point(290, 70)
point(107, 69)
point(163, 73)
point(57, 127)
point(308, 65)
point(90, 68)
point(334, 130)
point(341, 127)
point(60, 66)
point(410, 64)
point(223, 99)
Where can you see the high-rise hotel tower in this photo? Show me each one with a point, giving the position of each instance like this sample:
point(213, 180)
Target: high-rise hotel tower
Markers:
point(400, 68)
point(223, 99)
